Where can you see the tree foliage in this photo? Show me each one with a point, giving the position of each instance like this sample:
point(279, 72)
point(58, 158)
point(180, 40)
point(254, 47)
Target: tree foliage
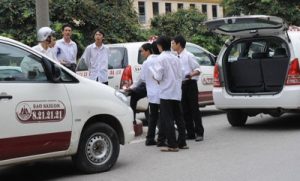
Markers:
point(189, 24)
point(17, 20)
point(287, 9)
point(116, 18)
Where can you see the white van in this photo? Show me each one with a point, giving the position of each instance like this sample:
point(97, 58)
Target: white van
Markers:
point(125, 62)
point(48, 111)
point(257, 70)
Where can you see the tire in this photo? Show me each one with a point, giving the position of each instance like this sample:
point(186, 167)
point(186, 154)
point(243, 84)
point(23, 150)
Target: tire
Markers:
point(236, 118)
point(98, 149)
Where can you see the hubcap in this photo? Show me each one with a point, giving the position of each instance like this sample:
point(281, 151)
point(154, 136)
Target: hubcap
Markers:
point(98, 148)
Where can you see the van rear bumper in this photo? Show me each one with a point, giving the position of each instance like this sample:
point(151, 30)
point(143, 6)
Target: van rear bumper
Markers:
point(288, 98)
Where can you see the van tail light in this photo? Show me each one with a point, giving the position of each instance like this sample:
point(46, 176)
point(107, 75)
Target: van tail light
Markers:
point(126, 79)
point(293, 77)
point(217, 82)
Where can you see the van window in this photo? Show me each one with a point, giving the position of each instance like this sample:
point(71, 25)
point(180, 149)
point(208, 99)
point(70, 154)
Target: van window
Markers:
point(141, 59)
point(257, 49)
point(202, 57)
point(117, 59)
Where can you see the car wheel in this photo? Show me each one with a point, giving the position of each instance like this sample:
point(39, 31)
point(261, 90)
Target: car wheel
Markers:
point(236, 118)
point(98, 149)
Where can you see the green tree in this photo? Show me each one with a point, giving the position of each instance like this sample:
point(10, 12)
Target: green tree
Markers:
point(189, 24)
point(17, 20)
point(117, 18)
point(287, 9)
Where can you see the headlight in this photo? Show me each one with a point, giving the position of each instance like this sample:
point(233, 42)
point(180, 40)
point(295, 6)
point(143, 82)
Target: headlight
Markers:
point(121, 96)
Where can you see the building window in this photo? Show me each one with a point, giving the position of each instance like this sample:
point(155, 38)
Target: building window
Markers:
point(192, 6)
point(168, 8)
point(142, 17)
point(204, 8)
point(155, 8)
point(179, 6)
point(214, 11)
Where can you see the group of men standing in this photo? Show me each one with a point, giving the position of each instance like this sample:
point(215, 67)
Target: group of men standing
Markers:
point(171, 83)
point(65, 51)
point(170, 78)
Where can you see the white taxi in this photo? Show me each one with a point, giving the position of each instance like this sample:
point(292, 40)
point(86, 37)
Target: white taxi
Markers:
point(125, 62)
point(48, 111)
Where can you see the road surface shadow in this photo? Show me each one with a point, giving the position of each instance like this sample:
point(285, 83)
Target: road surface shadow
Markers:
point(211, 112)
point(285, 122)
point(39, 171)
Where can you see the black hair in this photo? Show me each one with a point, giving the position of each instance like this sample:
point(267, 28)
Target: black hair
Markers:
point(66, 25)
point(98, 30)
point(164, 42)
point(154, 48)
point(147, 47)
point(180, 39)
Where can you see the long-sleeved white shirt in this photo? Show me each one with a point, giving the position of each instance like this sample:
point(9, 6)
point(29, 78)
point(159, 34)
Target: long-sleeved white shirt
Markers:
point(96, 58)
point(152, 85)
point(189, 63)
point(168, 71)
point(66, 52)
point(48, 52)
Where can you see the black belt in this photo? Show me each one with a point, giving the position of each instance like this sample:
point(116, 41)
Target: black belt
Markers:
point(190, 81)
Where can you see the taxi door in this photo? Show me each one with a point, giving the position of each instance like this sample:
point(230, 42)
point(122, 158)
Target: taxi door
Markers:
point(36, 115)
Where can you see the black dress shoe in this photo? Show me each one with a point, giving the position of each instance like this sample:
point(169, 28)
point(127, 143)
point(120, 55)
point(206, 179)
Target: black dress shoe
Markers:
point(199, 138)
point(161, 144)
point(183, 147)
point(150, 142)
point(190, 137)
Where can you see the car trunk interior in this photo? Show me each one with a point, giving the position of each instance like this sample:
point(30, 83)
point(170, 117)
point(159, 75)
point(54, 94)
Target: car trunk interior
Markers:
point(256, 66)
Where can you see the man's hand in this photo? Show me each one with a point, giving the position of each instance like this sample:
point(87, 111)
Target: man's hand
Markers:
point(188, 76)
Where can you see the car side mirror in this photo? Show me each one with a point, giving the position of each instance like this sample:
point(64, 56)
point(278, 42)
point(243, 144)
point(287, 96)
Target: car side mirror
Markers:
point(55, 73)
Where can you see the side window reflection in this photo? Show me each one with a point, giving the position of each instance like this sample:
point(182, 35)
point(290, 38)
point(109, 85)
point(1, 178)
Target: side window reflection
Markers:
point(202, 57)
point(19, 65)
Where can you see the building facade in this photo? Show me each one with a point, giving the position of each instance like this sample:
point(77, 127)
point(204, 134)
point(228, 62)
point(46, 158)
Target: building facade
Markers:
point(147, 9)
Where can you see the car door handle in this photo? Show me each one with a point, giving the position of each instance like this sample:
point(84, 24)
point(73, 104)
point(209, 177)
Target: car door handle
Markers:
point(4, 95)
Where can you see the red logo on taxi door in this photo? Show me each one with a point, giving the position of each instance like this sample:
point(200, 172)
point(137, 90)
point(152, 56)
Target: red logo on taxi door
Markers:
point(40, 111)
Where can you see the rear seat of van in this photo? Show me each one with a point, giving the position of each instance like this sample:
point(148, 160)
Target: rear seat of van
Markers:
point(259, 73)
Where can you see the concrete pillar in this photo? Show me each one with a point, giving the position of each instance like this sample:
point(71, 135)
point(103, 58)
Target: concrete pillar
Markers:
point(42, 13)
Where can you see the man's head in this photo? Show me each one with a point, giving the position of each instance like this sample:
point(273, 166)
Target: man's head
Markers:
point(163, 43)
point(98, 35)
point(67, 31)
point(178, 43)
point(146, 50)
point(44, 34)
point(154, 48)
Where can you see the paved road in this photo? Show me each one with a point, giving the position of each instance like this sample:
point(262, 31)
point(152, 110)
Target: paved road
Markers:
point(267, 149)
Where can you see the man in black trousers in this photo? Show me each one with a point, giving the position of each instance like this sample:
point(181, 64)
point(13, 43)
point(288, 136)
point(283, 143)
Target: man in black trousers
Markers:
point(191, 68)
point(167, 71)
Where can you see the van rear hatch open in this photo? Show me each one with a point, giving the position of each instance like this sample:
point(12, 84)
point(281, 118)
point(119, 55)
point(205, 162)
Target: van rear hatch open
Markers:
point(247, 26)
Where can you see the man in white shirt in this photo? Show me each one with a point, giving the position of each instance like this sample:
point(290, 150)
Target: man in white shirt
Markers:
point(44, 37)
point(67, 49)
point(152, 87)
point(30, 67)
point(96, 58)
point(167, 71)
point(191, 68)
